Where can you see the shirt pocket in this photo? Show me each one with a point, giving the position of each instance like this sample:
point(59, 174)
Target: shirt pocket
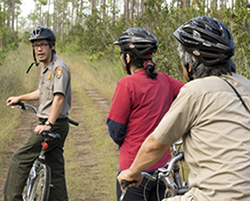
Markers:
point(48, 90)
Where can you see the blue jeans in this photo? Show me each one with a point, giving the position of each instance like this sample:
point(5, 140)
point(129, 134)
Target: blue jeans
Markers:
point(147, 191)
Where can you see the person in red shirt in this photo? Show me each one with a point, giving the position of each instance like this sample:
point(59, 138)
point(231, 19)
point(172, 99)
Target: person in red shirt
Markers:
point(140, 101)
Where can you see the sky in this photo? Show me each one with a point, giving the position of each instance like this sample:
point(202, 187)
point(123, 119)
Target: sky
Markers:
point(26, 7)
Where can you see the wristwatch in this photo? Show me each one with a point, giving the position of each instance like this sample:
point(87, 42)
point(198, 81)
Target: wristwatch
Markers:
point(47, 123)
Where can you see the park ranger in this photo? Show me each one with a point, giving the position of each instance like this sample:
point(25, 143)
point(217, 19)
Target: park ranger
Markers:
point(54, 95)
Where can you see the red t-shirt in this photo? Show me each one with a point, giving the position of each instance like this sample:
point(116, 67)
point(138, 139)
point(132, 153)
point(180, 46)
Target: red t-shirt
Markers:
point(138, 105)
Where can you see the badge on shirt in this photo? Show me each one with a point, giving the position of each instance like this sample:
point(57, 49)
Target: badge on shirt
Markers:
point(58, 73)
point(49, 76)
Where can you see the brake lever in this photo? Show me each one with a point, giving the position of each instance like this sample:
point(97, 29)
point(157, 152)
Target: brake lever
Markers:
point(123, 194)
point(124, 184)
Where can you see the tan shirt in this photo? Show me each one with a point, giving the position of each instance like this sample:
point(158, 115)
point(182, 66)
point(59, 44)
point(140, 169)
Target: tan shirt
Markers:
point(55, 78)
point(216, 132)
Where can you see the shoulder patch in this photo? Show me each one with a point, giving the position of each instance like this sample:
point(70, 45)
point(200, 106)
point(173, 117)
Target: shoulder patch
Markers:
point(58, 73)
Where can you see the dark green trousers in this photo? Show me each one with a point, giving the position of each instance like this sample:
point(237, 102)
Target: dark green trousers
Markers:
point(22, 160)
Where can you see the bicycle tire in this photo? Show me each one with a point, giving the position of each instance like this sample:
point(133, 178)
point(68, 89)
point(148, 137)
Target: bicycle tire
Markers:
point(41, 185)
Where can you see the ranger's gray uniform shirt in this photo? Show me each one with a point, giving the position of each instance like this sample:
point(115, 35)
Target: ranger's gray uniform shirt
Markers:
point(216, 133)
point(55, 78)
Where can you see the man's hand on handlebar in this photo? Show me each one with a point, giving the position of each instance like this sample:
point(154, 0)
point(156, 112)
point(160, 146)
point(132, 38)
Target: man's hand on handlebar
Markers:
point(132, 179)
point(12, 100)
point(40, 128)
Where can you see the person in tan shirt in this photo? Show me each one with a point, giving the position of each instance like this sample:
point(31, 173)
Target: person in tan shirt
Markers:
point(211, 114)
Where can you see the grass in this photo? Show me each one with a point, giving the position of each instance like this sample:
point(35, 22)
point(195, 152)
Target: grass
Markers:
point(98, 179)
point(13, 81)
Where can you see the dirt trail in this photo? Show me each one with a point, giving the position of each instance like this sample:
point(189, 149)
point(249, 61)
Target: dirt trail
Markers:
point(83, 156)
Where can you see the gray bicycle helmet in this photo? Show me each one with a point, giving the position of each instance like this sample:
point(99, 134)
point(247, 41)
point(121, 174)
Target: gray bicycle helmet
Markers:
point(138, 42)
point(208, 39)
point(42, 33)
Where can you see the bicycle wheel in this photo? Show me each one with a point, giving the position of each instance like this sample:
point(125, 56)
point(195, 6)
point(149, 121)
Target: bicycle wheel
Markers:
point(41, 186)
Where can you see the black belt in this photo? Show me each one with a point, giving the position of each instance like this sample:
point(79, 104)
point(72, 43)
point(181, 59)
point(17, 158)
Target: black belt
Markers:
point(43, 120)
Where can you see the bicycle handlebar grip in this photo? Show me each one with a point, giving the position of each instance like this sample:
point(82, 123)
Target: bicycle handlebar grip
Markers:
point(125, 183)
point(50, 134)
point(21, 104)
point(73, 122)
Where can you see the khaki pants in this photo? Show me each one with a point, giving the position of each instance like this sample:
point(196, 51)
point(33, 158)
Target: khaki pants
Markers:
point(22, 160)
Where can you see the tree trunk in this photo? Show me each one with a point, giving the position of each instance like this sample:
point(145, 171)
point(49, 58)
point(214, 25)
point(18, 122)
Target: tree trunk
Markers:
point(93, 6)
point(186, 4)
point(114, 9)
point(222, 4)
point(131, 10)
point(12, 17)
point(103, 9)
point(63, 17)
point(142, 7)
point(40, 16)
point(214, 4)
point(48, 22)
point(9, 14)
point(126, 9)
point(72, 15)
point(80, 12)
point(55, 17)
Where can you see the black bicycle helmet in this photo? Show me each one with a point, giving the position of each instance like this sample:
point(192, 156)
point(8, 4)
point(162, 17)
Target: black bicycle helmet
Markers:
point(138, 42)
point(208, 39)
point(42, 33)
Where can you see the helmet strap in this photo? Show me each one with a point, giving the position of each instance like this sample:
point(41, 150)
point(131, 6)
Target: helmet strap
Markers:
point(35, 62)
point(52, 55)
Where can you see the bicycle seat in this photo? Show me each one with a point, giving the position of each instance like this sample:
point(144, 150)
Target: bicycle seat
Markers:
point(48, 134)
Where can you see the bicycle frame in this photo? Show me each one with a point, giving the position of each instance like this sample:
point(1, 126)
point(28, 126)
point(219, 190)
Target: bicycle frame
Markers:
point(33, 172)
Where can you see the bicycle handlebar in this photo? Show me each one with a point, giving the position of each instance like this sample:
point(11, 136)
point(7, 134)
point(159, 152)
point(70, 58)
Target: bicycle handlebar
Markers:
point(73, 122)
point(164, 171)
point(163, 174)
point(25, 106)
point(48, 134)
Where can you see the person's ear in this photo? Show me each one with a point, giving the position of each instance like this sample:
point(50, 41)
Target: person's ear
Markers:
point(189, 68)
point(128, 58)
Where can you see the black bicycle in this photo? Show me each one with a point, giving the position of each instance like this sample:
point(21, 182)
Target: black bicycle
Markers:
point(169, 175)
point(39, 180)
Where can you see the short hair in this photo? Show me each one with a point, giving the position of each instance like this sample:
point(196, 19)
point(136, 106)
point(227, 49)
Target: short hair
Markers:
point(200, 70)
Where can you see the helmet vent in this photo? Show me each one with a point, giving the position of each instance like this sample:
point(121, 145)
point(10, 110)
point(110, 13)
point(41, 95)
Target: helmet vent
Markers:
point(205, 19)
point(229, 34)
point(196, 34)
point(201, 25)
